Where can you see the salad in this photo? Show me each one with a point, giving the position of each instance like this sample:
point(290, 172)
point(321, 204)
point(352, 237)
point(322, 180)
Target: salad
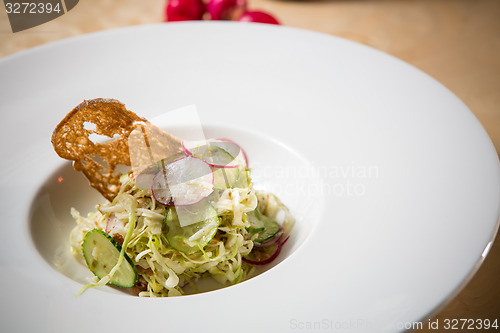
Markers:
point(191, 216)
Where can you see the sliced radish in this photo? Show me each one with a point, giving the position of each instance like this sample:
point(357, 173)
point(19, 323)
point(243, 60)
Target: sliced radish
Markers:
point(217, 153)
point(112, 222)
point(144, 178)
point(115, 228)
point(183, 182)
point(242, 151)
point(265, 255)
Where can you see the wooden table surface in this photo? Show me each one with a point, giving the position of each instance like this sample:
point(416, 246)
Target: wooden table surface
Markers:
point(455, 41)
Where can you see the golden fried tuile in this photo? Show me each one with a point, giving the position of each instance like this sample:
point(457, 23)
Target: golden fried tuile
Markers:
point(124, 131)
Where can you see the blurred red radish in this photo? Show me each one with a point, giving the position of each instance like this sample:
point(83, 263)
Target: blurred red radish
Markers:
point(226, 9)
point(258, 16)
point(185, 10)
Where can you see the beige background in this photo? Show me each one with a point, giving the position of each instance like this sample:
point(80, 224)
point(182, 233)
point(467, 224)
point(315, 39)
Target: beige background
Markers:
point(455, 41)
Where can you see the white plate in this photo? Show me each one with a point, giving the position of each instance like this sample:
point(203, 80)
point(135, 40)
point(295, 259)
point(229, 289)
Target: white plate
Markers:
point(398, 216)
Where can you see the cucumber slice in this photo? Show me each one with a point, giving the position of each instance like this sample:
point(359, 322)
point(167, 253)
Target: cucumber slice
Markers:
point(101, 254)
point(261, 226)
point(225, 177)
point(190, 228)
point(256, 223)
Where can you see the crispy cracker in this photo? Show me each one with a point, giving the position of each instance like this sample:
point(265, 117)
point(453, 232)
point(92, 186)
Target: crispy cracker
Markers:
point(73, 139)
